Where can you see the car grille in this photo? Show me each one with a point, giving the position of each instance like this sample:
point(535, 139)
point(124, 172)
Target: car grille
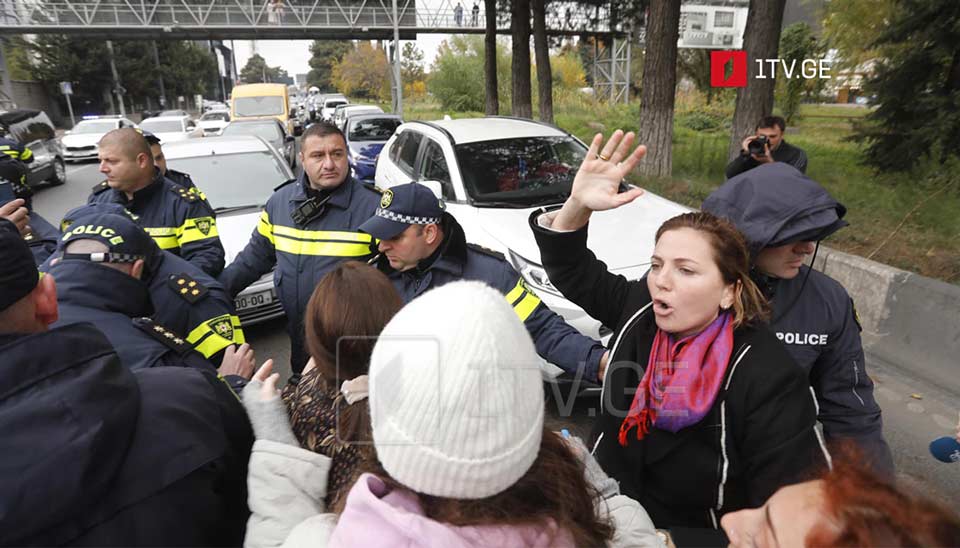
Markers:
point(253, 316)
point(211, 129)
point(80, 149)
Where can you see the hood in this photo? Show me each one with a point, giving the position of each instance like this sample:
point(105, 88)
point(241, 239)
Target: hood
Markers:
point(171, 136)
point(235, 230)
point(367, 149)
point(82, 140)
point(376, 516)
point(212, 124)
point(775, 204)
point(81, 406)
point(621, 238)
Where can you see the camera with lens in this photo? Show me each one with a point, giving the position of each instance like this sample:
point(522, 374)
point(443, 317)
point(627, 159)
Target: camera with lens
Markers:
point(757, 146)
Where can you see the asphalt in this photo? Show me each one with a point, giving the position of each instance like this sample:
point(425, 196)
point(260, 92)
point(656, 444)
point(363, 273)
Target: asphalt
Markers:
point(915, 411)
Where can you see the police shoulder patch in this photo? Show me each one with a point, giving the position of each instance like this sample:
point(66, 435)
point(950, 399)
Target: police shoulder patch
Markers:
point(223, 326)
point(184, 193)
point(186, 287)
point(100, 187)
point(487, 251)
point(168, 338)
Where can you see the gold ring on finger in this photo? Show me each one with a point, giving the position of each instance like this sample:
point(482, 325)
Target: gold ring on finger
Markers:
point(602, 157)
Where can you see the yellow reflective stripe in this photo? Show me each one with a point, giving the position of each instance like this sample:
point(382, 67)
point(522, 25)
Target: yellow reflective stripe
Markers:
point(280, 230)
point(325, 249)
point(27, 153)
point(264, 227)
point(524, 302)
point(208, 342)
point(12, 153)
point(189, 231)
point(238, 336)
point(165, 237)
point(161, 231)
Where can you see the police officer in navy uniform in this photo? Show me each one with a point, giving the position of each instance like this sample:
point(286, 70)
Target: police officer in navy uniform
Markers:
point(42, 238)
point(185, 299)
point(422, 246)
point(307, 227)
point(178, 177)
point(14, 157)
point(177, 219)
point(96, 454)
point(100, 272)
point(784, 214)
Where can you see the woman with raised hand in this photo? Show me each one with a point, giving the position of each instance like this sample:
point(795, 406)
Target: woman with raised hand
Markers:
point(704, 412)
point(464, 459)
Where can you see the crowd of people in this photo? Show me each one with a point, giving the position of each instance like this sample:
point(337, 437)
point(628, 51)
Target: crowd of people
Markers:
point(735, 406)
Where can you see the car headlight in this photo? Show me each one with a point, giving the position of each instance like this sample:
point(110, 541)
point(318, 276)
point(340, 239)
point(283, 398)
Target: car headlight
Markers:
point(533, 274)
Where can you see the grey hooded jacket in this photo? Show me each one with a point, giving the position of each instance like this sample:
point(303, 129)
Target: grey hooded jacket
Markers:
point(814, 316)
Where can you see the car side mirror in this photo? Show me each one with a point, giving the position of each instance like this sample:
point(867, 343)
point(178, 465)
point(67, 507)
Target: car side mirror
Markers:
point(434, 187)
point(297, 131)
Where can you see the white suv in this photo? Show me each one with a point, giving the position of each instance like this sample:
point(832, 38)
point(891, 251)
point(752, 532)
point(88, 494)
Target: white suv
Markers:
point(494, 172)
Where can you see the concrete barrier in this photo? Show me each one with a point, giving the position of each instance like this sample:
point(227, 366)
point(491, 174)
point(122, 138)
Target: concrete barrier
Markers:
point(908, 320)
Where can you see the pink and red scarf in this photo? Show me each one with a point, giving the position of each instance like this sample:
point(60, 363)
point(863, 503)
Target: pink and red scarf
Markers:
point(682, 379)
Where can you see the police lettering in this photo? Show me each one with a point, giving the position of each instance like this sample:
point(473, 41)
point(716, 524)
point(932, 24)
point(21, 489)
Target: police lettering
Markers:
point(803, 338)
point(90, 230)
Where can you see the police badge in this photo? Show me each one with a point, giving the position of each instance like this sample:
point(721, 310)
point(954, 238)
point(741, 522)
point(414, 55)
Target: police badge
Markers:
point(386, 199)
point(203, 225)
point(222, 326)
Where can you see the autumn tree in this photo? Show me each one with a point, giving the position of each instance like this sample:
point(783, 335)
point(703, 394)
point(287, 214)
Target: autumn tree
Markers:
point(323, 55)
point(363, 72)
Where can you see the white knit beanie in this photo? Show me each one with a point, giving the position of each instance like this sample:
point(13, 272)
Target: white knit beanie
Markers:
point(456, 396)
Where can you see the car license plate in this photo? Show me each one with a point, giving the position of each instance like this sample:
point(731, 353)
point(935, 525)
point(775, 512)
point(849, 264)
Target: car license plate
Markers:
point(243, 302)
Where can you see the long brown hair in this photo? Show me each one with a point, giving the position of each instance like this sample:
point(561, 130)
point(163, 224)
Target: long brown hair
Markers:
point(345, 314)
point(731, 255)
point(553, 489)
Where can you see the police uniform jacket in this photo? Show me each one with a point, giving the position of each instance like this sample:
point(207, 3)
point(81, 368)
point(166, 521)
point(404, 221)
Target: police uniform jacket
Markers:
point(177, 220)
point(98, 455)
point(555, 340)
point(118, 305)
point(759, 435)
point(813, 315)
point(42, 239)
point(184, 180)
point(14, 150)
point(303, 251)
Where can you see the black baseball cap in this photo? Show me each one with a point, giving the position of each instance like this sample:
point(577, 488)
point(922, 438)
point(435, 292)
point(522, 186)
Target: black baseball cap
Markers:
point(402, 206)
point(126, 241)
point(18, 271)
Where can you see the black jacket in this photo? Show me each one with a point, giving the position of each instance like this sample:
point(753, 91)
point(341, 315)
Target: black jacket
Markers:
point(758, 436)
point(813, 315)
point(785, 153)
point(97, 455)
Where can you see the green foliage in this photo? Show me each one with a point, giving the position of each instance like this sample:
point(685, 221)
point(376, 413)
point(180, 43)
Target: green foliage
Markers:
point(324, 54)
point(917, 88)
point(568, 73)
point(694, 65)
point(797, 43)
point(411, 63)
point(257, 71)
point(456, 77)
point(700, 121)
point(853, 27)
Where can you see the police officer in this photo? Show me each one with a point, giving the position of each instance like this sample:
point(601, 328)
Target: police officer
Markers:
point(783, 215)
point(307, 226)
point(185, 299)
point(96, 454)
point(422, 246)
point(13, 159)
point(178, 177)
point(177, 219)
point(100, 271)
point(42, 238)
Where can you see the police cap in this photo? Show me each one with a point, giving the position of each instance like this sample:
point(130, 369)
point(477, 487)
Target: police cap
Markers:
point(126, 241)
point(402, 206)
point(18, 271)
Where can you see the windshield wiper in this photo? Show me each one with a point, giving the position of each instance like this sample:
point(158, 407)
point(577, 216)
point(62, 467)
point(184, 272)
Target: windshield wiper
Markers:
point(236, 208)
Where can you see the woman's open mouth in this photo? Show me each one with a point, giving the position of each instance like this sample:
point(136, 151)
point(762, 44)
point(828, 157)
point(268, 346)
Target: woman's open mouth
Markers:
point(661, 307)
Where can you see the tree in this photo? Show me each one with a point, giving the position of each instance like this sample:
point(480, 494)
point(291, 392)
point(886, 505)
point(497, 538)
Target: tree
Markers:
point(796, 44)
point(492, 97)
point(455, 77)
point(363, 72)
point(411, 64)
point(521, 100)
point(694, 63)
point(853, 27)
point(659, 87)
point(760, 40)
point(917, 87)
point(256, 71)
point(568, 71)
point(542, 51)
point(323, 55)
point(81, 61)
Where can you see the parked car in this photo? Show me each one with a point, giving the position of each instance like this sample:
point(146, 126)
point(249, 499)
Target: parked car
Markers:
point(172, 128)
point(80, 143)
point(366, 134)
point(271, 131)
point(213, 121)
point(34, 129)
point(329, 105)
point(175, 112)
point(494, 172)
point(238, 175)
point(341, 113)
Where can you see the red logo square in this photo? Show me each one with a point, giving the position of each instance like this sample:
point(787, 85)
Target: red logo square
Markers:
point(728, 69)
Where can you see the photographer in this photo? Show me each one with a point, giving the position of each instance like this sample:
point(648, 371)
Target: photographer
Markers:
point(766, 147)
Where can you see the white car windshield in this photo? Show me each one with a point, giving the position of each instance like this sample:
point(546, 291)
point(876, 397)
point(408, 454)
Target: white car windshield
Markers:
point(161, 126)
point(268, 132)
point(94, 127)
point(234, 180)
point(270, 105)
point(522, 172)
point(219, 115)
